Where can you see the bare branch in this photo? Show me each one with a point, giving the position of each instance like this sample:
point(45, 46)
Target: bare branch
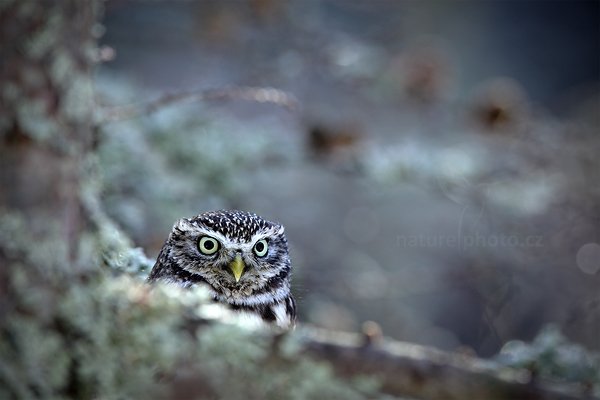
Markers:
point(256, 94)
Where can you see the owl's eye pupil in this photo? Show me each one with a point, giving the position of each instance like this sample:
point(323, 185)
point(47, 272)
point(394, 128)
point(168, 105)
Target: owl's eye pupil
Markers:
point(260, 247)
point(209, 245)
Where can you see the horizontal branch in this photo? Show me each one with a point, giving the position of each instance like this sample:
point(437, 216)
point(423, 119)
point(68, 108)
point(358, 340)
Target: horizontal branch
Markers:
point(255, 94)
point(406, 369)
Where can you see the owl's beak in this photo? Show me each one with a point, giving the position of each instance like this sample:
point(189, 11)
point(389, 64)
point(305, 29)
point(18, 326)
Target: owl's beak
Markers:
point(237, 266)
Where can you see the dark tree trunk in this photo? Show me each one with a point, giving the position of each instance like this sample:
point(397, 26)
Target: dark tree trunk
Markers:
point(46, 105)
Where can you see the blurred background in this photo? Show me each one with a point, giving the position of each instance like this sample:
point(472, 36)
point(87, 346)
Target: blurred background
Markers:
point(440, 174)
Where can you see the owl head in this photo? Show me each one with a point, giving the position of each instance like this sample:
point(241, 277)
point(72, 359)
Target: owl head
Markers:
point(241, 256)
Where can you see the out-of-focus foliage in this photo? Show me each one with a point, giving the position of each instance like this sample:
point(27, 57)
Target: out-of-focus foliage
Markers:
point(175, 163)
point(95, 335)
point(113, 248)
point(552, 356)
point(103, 333)
point(47, 44)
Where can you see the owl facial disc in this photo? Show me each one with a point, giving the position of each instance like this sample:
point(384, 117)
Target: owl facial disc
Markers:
point(216, 249)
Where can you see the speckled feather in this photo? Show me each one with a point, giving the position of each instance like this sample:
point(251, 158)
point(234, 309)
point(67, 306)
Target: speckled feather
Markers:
point(264, 288)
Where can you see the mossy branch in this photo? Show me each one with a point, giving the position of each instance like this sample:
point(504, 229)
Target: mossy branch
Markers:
point(399, 368)
point(427, 373)
point(256, 94)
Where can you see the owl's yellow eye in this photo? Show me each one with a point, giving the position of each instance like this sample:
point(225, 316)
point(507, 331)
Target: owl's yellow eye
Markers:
point(208, 245)
point(261, 248)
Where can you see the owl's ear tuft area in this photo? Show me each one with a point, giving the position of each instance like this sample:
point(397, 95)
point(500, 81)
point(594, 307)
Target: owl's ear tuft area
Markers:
point(183, 224)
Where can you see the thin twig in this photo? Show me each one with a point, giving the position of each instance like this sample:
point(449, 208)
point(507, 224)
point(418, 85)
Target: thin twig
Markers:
point(256, 94)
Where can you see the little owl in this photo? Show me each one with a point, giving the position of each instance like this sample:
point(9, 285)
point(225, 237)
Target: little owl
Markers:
point(242, 258)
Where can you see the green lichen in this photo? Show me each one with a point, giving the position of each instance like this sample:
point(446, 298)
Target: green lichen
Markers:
point(85, 340)
point(109, 246)
point(50, 95)
point(104, 333)
point(243, 364)
point(552, 356)
point(44, 39)
point(31, 114)
point(106, 337)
